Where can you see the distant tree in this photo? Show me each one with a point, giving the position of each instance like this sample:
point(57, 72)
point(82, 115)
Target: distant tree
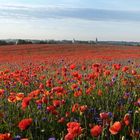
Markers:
point(42, 42)
point(20, 41)
point(52, 42)
point(2, 42)
point(10, 43)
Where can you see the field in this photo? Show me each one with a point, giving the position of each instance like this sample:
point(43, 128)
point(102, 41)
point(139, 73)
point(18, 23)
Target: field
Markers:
point(69, 92)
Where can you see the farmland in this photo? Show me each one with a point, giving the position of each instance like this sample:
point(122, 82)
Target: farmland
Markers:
point(70, 92)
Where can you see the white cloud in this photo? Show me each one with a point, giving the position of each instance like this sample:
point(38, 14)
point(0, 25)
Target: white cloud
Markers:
point(45, 12)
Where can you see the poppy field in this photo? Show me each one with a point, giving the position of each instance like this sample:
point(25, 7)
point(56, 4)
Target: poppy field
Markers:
point(69, 92)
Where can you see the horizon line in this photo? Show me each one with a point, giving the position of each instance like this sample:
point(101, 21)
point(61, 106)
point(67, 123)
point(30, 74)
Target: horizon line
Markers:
point(69, 40)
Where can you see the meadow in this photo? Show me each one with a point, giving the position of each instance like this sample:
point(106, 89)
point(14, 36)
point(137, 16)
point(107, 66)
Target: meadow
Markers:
point(69, 92)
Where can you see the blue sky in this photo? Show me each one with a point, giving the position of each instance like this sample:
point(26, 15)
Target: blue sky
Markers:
point(68, 19)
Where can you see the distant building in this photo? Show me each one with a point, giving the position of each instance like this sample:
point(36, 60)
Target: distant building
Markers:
point(96, 41)
point(73, 41)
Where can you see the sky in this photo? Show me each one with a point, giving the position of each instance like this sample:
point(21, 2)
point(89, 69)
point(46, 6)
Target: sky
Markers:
point(117, 20)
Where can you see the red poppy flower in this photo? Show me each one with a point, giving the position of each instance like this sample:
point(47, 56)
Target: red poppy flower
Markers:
point(127, 119)
point(25, 123)
point(100, 92)
point(104, 115)
point(44, 99)
point(56, 103)
point(75, 74)
point(75, 107)
point(74, 128)
point(83, 108)
point(83, 67)
point(26, 83)
point(116, 66)
point(2, 92)
point(96, 131)
point(77, 93)
point(72, 66)
point(49, 83)
point(69, 136)
point(61, 120)
point(74, 86)
point(96, 65)
point(134, 72)
point(89, 90)
point(38, 102)
point(124, 69)
point(50, 108)
point(19, 96)
point(64, 69)
point(41, 86)
point(115, 128)
point(25, 102)
point(12, 99)
point(107, 72)
point(6, 136)
point(72, 124)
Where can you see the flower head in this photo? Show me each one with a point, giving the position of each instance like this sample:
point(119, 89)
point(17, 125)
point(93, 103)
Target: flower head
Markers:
point(25, 123)
point(96, 130)
point(115, 128)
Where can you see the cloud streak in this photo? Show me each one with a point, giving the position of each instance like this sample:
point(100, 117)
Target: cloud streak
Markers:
point(58, 12)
